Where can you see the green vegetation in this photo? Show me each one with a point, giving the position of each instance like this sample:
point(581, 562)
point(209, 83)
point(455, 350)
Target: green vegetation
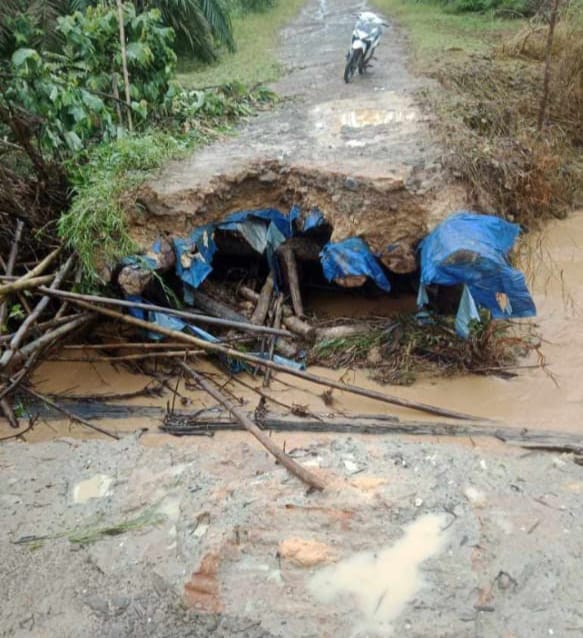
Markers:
point(438, 36)
point(75, 149)
point(254, 62)
point(106, 180)
point(512, 162)
point(399, 351)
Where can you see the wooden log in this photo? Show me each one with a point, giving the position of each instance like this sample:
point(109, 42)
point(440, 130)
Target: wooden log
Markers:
point(291, 322)
point(292, 466)
point(299, 327)
point(341, 332)
point(263, 302)
point(290, 269)
point(262, 363)
point(180, 423)
point(216, 308)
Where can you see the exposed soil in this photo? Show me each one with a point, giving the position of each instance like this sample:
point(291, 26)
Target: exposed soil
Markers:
point(165, 537)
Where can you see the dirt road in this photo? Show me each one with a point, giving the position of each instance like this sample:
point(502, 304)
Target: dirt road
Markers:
point(160, 537)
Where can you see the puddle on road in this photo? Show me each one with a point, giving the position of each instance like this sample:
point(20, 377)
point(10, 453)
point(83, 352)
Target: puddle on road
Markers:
point(375, 117)
point(380, 584)
point(95, 487)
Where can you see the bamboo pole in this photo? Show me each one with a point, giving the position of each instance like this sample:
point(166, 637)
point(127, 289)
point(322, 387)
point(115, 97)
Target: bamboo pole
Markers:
point(124, 63)
point(292, 466)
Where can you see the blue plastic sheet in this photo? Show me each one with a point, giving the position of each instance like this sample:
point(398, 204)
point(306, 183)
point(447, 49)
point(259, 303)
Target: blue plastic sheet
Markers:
point(472, 249)
point(352, 257)
point(194, 255)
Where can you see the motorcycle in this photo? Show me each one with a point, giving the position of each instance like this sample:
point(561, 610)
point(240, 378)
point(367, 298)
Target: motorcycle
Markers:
point(366, 36)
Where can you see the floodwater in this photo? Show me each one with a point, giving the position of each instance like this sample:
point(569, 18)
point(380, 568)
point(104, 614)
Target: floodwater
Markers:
point(380, 583)
point(544, 399)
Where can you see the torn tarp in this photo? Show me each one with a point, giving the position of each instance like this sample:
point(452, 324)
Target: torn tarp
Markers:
point(352, 257)
point(194, 255)
point(472, 250)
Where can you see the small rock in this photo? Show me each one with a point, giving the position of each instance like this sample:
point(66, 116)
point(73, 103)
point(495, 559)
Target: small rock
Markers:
point(201, 592)
point(374, 355)
point(475, 497)
point(305, 553)
point(350, 184)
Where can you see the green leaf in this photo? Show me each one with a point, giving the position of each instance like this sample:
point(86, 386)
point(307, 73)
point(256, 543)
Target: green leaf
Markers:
point(91, 101)
point(139, 52)
point(21, 56)
point(73, 141)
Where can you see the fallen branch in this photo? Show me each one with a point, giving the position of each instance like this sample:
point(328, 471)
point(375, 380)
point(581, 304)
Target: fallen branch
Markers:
point(262, 363)
point(292, 466)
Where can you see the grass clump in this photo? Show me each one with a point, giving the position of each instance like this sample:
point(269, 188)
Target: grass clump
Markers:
point(407, 347)
point(256, 35)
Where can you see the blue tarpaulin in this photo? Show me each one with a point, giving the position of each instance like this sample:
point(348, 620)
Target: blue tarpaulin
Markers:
point(352, 257)
point(472, 250)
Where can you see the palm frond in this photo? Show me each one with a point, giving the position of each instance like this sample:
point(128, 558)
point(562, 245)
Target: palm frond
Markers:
point(218, 17)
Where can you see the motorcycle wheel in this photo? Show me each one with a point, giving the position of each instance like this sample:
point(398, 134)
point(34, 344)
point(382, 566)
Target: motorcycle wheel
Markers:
point(353, 63)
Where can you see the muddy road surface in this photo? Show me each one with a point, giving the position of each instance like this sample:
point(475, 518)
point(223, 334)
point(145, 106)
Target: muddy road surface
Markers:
point(169, 537)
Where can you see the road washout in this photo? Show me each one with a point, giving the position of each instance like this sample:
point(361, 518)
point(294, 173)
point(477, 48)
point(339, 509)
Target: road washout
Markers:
point(203, 536)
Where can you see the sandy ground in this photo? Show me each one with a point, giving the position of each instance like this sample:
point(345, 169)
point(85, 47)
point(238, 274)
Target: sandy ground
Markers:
point(154, 536)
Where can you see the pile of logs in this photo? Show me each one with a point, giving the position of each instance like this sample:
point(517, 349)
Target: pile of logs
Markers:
point(32, 321)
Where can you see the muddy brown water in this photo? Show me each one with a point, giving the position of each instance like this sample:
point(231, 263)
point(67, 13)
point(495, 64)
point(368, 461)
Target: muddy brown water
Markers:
point(549, 399)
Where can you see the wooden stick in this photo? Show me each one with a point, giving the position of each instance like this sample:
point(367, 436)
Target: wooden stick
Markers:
point(293, 280)
point(69, 414)
point(180, 423)
point(9, 413)
point(276, 324)
point(125, 345)
point(243, 356)
point(30, 320)
point(290, 321)
point(24, 284)
point(124, 62)
point(170, 354)
point(263, 301)
point(40, 328)
point(191, 316)
point(43, 265)
point(52, 335)
point(292, 466)
point(10, 268)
